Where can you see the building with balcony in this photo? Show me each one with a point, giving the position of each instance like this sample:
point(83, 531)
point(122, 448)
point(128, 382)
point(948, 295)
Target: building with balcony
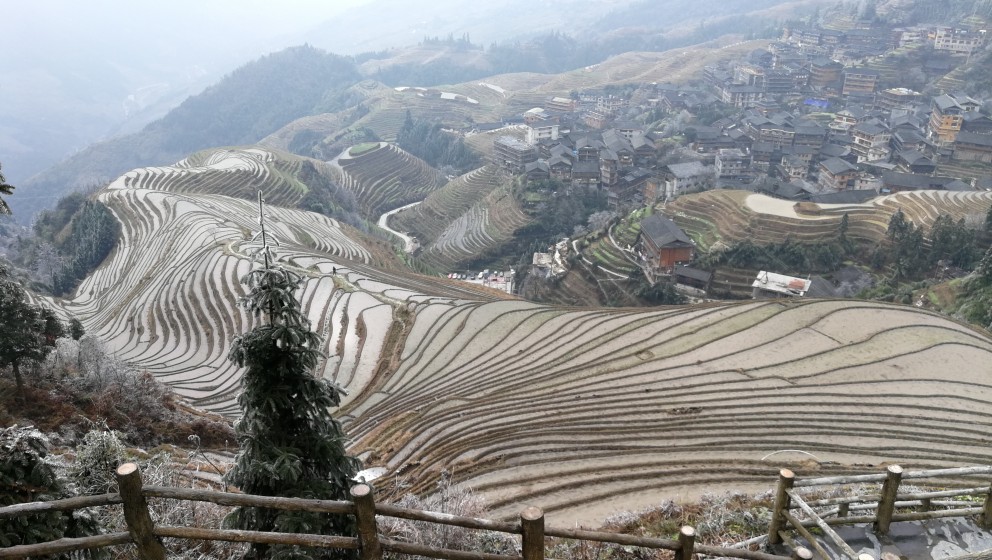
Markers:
point(513, 154)
point(859, 82)
point(958, 41)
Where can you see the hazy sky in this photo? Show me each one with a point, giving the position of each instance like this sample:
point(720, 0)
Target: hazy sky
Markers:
point(183, 29)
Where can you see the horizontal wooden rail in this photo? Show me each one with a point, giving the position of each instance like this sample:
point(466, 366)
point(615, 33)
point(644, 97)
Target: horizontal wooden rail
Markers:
point(920, 516)
point(854, 479)
point(64, 545)
point(443, 554)
point(259, 537)
point(655, 543)
point(614, 538)
point(65, 504)
point(939, 473)
point(448, 519)
point(873, 498)
point(911, 503)
point(884, 504)
point(234, 499)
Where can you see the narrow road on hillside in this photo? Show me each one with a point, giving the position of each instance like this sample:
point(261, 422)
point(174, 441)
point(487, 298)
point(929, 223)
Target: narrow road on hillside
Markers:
point(409, 244)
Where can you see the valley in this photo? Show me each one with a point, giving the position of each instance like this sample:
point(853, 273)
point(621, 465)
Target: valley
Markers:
point(588, 384)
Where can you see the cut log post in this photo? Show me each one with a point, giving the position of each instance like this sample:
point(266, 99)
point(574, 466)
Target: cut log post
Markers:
point(887, 503)
point(926, 504)
point(532, 528)
point(368, 530)
point(802, 553)
point(139, 521)
point(986, 519)
point(786, 480)
point(687, 543)
point(843, 509)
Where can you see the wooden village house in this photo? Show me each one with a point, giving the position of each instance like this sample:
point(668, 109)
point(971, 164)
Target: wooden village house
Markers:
point(663, 246)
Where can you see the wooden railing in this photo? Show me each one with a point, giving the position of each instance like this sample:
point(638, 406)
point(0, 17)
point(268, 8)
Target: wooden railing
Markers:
point(146, 536)
point(884, 504)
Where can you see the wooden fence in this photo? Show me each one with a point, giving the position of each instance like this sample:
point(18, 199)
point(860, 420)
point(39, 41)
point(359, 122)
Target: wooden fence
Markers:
point(884, 504)
point(147, 537)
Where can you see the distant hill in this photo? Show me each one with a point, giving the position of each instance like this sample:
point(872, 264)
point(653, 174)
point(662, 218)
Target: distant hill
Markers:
point(244, 107)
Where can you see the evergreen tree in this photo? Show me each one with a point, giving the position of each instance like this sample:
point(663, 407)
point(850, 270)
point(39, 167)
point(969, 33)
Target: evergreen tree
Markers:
point(291, 445)
point(22, 329)
point(4, 189)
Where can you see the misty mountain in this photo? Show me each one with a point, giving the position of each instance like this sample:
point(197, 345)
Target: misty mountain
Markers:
point(245, 106)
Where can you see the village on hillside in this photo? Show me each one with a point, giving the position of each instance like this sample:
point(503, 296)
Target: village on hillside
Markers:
point(822, 115)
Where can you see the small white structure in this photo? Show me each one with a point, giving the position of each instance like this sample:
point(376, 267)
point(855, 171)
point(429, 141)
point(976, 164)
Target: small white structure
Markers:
point(772, 285)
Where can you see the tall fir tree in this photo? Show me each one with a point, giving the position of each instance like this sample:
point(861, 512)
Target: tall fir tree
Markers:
point(4, 189)
point(290, 444)
point(23, 329)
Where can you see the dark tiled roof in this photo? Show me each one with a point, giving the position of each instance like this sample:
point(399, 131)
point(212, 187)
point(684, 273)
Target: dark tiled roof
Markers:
point(850, 196)
point(836, 165)
point(693, 274)
point(662, 231)
point(973, 138)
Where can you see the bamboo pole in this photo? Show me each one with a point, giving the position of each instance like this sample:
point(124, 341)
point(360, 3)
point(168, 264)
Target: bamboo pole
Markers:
point(233, 499)
point(258, 537)
point(139, 521)
point(368, 531)
point(687, 541)
point(887, 503)
point(78, 502)
point(786, 480)
point(532, 528)
point(64, 545)
point(823, 526)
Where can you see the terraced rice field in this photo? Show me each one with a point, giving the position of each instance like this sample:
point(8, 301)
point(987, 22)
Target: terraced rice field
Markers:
point(733, 216)
point(387, 178)
point(582, 411)
point(237, 172)
point(486, 224)
point(429, 219)
point(577, 410)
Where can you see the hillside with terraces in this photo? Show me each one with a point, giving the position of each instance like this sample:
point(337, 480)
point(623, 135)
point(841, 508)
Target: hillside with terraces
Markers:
point(236, 172)
point(385, 177)
point(534, 404)
point(472, 214)
point(727, 217)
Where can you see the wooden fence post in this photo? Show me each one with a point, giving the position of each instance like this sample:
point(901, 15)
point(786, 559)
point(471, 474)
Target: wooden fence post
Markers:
point(532, 528)
point(139, 521)
point(687, 543)
point(887, 502)
point(786, 479)
point(986, 519)
point(368, 530)
point(802, 553)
